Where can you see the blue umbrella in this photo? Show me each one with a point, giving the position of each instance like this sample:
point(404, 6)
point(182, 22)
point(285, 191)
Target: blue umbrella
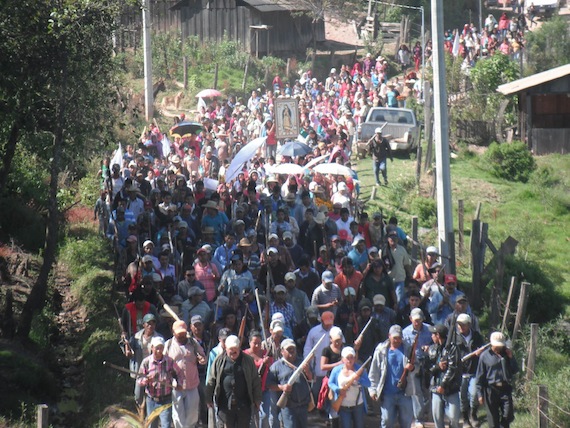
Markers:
point(294, 148)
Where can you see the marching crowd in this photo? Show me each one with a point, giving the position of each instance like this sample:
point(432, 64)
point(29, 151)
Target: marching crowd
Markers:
point(256, 297)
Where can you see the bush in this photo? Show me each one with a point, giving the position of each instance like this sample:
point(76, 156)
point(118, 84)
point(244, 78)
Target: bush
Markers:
point(83, 254)
point(426, 210)
point(511, 162)
point(546, 301)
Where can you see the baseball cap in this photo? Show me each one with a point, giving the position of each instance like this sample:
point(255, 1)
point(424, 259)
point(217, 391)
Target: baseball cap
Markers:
point(146, 259)
point(498, 339)
point(290, 276)
point(336, 333)
point(464, 319)
point(179, 327)
point(327, 276)
point(379, 299)
point(288, 343)
point(287, 235)
point(272, 250)
point(280, 289)
point(148, 242)
point(149, 318)
point(157, 341)
point(196, 319)
point(395, 330)
point(461, 298)
point(417, 314)
point(372, 250)
point(348, 351)
point(439, 329)
point(276, 326)
point(432, 250)
point(449, 278)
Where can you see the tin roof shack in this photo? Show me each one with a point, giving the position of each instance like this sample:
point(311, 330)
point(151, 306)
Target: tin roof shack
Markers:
point(544, 109)
point(262, 26)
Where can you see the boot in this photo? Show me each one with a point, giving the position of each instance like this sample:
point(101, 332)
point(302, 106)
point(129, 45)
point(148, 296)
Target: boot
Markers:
point(466, 421)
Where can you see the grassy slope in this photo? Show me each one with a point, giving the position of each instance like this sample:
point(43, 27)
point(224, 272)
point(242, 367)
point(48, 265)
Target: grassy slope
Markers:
point(526, 212)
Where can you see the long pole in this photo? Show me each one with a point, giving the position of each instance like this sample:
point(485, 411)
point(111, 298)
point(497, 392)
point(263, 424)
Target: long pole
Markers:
point(147, 49)
point(441, 125)
point(423, 53)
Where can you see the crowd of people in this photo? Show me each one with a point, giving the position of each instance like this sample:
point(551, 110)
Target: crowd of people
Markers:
point(255, 298)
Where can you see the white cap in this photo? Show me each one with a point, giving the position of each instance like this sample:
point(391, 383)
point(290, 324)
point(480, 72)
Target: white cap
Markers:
point(357, 239)
point(335, 333)
point(342, 186)
point(232, 341)
point(464, 319)
point(333, 70)
point(417, 314)
point(290, 276)
point(272, 250)
point(498, 339)
point(276, 326)
point(148, 242)
point(273, 236)
point(378, 131)
point(432, 250)
point(379, 299)
point(348, 351)
point(157, 341)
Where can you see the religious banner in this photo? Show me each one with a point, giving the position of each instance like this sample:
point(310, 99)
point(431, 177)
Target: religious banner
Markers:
point(286, 118)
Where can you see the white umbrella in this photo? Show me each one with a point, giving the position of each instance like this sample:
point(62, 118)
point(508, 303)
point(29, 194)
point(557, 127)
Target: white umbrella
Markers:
point(334, 169)
point(210, 184)
point(289, 168)
point(245, 154)
point(317, 160)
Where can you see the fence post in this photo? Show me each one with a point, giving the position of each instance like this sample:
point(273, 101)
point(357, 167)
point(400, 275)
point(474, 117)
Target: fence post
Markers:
point(243, 82)
point(475, 264)
point(507, 312)
point(415, 237)
point(460, 225)
point(497, 289)
point(542, 406)
point(532, 351)
point(43, 412)
point(520, 309)
point(418, 165)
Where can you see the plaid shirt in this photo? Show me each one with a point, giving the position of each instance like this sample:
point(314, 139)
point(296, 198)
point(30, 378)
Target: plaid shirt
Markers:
point(287, 310)
point(160, 375)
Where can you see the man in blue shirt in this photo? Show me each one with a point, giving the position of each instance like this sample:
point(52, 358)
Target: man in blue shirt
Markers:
point(358, 254)
point(418, 327)
point(388, 364)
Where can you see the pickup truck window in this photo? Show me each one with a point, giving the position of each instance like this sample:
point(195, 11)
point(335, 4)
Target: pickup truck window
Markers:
point(392, 117)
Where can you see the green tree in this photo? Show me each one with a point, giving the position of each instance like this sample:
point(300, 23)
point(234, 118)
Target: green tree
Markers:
point(57, 84)
point(549, 46)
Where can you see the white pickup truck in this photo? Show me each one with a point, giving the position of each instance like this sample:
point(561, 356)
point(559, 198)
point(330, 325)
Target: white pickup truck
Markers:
point(400, 127)
point(544, 8)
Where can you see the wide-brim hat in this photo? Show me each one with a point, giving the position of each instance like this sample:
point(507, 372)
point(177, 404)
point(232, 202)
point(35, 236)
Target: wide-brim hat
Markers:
point(211, 204)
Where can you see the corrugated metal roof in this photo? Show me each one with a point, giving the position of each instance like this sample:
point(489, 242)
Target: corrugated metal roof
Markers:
point(534, 80)
point(276, 6)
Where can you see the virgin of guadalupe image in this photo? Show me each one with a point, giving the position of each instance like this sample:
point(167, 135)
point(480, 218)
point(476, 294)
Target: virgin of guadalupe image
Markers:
point(286, 116)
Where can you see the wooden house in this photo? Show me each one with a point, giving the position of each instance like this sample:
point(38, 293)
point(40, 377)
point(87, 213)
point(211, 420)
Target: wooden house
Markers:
point(544, 109)
point(261, 26)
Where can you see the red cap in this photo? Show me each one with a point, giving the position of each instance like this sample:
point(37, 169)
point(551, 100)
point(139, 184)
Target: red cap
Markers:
point(450, 278)
point(343, 234)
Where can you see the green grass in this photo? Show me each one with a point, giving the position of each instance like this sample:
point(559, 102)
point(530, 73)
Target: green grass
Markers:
point(536, 215)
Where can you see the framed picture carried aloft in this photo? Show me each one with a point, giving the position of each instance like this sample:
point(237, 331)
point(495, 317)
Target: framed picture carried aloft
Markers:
point(286, 118)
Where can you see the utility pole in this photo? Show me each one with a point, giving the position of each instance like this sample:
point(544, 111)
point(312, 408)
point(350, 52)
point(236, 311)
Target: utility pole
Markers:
point(147, 49)
point(441, 129)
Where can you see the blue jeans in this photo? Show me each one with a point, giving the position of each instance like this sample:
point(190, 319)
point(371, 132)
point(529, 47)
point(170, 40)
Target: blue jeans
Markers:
point(381, 165)
point(468, 394)
point(442, 405)
point(418, 400)
point(294, 417)
point(400, 293)
point(396, 405)
point(166, 415)
point(352, 417)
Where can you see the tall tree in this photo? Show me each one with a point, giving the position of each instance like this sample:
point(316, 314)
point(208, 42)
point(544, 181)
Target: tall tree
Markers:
point(58, 72)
